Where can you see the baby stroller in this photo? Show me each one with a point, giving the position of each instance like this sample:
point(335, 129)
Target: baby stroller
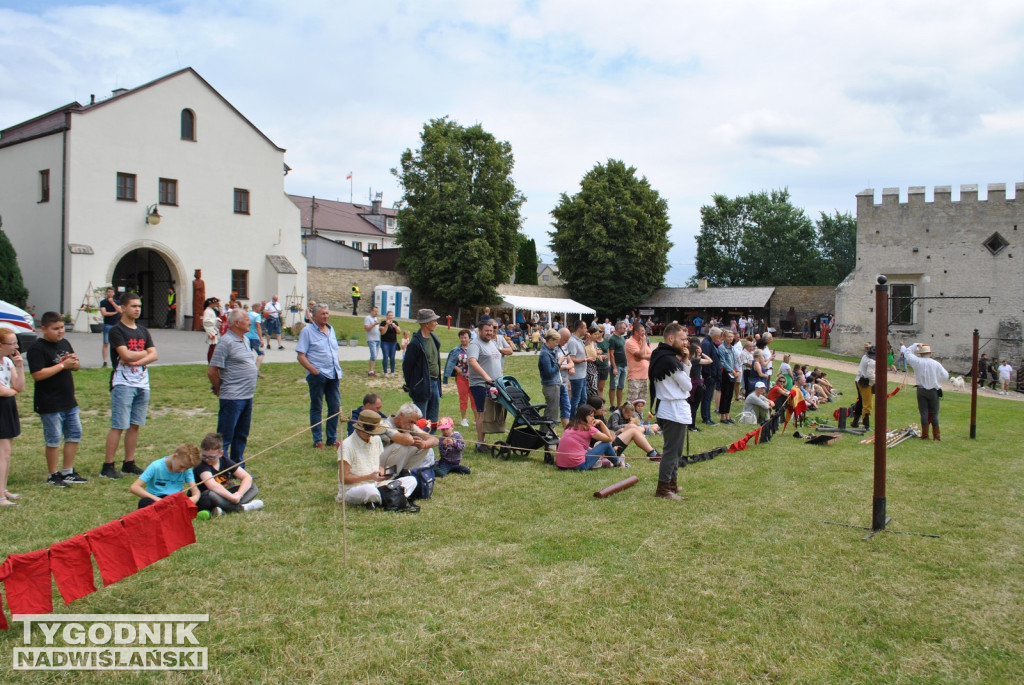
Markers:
point(530, 430)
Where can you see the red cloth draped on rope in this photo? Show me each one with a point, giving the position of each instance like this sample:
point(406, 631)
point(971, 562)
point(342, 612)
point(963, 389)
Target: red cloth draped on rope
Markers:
point(145, 536)
point(176, 515)
point(795, 406)
point(27, 582)
point(741, 444)
point(113, 551)
point(120, 547)
point(71, 564)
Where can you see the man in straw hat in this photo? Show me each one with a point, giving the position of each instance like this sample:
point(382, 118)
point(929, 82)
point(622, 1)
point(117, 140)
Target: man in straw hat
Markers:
point(928, 374)
point(421, 366)
point(360, 472)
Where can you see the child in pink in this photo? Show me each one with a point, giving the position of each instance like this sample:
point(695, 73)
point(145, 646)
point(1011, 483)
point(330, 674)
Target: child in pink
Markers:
point(574, 450)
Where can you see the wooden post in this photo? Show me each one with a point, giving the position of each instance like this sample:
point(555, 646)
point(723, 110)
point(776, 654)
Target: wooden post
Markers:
point(878, 519)
point(974, 388)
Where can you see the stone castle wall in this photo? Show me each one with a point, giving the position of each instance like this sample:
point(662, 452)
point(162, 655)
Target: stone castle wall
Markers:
point(968, 249)
point(808, 302)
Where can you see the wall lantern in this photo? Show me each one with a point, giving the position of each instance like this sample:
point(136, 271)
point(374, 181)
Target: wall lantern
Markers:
point(152, 215)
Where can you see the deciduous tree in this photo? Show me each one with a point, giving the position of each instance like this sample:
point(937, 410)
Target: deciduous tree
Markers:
point(759, 239)
point(837, 241)
point(611, 238)
point(458, 225)
point(12, 287)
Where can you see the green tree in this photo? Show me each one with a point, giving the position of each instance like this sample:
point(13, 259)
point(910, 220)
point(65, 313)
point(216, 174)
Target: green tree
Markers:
point(12, 287)
point(759, 239)
point(837, 241)
point(527, 262)
point(611, 238)
point(458, 225)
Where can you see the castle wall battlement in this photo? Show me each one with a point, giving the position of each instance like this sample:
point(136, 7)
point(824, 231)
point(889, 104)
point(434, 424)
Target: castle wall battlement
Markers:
point(942, 196)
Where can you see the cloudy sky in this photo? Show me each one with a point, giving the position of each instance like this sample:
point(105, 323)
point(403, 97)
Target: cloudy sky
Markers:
point(824, 98)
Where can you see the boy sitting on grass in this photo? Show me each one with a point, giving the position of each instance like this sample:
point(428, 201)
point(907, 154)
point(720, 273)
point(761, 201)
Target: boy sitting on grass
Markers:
point(215, 473)
point(168, 476)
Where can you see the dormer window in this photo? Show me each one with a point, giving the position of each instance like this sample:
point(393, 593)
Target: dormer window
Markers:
point(188, 124)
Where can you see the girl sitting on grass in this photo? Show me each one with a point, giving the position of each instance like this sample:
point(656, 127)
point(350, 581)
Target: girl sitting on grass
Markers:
point(574, 451)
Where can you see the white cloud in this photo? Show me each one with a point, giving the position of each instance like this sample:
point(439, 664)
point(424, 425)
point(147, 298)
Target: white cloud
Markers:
point(822, 97)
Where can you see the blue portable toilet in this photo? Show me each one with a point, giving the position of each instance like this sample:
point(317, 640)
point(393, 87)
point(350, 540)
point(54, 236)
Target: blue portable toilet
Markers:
point(394, 298)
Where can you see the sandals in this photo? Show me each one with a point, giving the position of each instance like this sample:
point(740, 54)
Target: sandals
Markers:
point(4, 502)
point(12, 495)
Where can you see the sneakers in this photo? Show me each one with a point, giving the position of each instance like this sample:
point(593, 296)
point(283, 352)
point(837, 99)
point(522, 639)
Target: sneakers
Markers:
point(110, 471)
point(318, 445)
point(74, 477)
point(56, 480)
point(254, 505)
point(216, 511)
point(482, 449)
point(130, 467)
point(464, 423)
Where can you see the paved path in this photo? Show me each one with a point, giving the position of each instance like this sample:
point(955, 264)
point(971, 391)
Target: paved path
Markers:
point(851, 368)
point(187, 347)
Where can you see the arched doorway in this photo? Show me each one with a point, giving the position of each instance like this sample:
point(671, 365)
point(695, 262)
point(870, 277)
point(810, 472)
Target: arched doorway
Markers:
point(146, 272)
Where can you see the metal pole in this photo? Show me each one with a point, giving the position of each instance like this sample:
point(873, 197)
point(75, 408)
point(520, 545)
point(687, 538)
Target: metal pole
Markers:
point(878, 519)
point(974, 388)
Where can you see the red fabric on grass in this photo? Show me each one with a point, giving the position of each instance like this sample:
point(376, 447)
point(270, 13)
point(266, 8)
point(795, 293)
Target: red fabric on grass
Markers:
point(3, 616)
point(145, 535)
point(111, 547)
point(71, 564)
point(27, 582)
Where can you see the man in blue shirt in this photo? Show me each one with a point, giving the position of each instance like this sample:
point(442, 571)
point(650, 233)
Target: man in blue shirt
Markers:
point(317, 351)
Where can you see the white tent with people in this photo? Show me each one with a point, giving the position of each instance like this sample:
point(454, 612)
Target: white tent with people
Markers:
point(547, 305)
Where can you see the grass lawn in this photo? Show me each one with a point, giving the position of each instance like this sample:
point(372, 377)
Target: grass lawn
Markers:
point(517, 573)
point(811, 348)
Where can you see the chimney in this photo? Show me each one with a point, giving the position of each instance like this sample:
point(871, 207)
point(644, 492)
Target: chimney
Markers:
point(702, 284)
point(92, 98)
point(118, 91)
point(375, 205)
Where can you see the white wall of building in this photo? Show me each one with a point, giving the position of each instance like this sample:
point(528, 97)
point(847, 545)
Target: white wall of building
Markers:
point(140, 133)
point(34, 227)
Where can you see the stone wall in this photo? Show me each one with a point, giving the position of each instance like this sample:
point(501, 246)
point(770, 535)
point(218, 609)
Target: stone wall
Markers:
point(334, 286)
point(957, 257)
point(807, 301)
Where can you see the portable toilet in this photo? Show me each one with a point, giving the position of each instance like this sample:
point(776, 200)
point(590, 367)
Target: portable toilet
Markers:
point(394, 298)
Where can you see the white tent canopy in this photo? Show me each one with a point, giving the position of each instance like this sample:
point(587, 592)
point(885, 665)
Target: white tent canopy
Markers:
point(550, 305)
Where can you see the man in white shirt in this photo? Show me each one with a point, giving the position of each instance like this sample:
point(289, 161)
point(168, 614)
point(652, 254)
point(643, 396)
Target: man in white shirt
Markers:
point(1005, 373)
point(371, 324)
point(360, 471)
point(272, 321)
point(928, 374)
point(670, 388)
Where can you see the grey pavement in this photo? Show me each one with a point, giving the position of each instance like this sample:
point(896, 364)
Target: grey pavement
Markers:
point(188, 347)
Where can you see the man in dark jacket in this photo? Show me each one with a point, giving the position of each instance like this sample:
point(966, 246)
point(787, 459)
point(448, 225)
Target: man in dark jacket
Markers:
point(711, 373)
point(421, 366)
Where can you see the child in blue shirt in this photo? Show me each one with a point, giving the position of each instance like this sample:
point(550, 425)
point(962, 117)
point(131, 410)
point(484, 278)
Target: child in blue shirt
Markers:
point(168, 476)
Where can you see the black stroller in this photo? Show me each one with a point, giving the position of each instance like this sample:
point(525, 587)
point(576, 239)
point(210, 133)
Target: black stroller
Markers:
point(530, 430)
